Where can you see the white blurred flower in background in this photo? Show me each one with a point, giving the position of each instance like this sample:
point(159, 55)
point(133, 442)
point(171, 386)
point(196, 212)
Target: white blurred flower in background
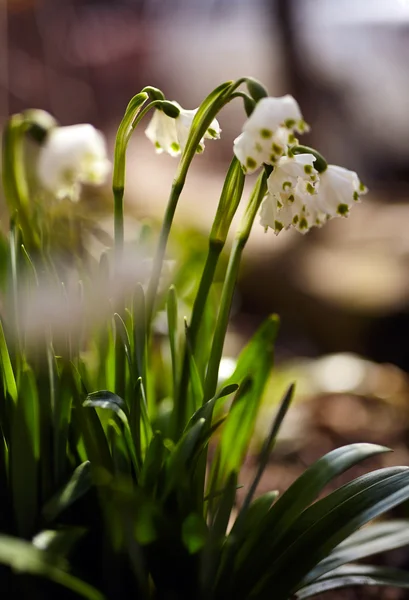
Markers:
point(70, 157)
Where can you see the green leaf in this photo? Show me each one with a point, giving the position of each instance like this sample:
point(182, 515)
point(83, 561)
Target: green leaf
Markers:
point(172, 312)
point(354, 575)
point(24, 454)
point(330, 521)
point(206, 411)
point(267, 448)
point(196, 392)
point(58, 542)
point(108, 400)
point(225, 507)
point(376, 538)
point(23, 557)
point(155, 457)
point(181, 459)
point(254, 364)
point(9, 381)
point(79, 484)
point(122, 331)
point(139, 331)
point(194, 532)
point(88, 423)
point(302, 493)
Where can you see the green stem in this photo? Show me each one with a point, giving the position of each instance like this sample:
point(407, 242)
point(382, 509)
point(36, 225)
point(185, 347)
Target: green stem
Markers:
point(229, 286)
point(229, 200)
point(215, 249)
point(119, 219)
point(15, 179)
point(130, 119)
point(204, 116)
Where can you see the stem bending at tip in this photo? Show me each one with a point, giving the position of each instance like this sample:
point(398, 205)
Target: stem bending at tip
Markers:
point(223, 96)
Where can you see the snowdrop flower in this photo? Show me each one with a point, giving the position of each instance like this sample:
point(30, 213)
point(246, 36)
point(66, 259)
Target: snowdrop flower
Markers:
point(268, 132)
point(71, 156)
point(338, 190)
point(170, 134)
point(290, 186)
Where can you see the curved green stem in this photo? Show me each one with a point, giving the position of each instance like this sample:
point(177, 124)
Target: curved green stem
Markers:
point(15, 179)
point(204, 116)
point(229, 200)
point(124, 132)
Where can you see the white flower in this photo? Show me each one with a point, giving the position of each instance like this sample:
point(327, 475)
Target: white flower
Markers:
point(299, 197)
point(268, 132)
point(161, 131)
point(338, 190)
point(290, 186)
point(170, 135)
point(72, 156)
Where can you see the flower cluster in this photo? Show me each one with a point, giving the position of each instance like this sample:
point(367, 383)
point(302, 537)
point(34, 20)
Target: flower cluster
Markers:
point(299, 195)
point(302, 191)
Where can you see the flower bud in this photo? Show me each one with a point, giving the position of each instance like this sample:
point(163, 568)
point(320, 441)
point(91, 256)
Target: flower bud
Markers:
point(170, 109)
point(154, 93)
point(256, 90)
point(38, 124)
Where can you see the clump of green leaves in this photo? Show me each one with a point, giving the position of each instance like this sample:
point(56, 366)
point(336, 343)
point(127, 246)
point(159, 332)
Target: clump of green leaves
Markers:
point(120, 454)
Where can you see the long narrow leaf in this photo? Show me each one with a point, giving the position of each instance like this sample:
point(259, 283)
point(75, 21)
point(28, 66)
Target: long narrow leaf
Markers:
point(26, 558)
point(356, 575)
point(376, 538)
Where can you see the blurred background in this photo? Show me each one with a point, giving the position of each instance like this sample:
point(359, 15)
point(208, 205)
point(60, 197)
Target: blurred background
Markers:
point(342, 291)
point(343, 288)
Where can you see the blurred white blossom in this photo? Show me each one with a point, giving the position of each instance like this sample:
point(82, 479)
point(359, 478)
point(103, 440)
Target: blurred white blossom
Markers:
point(71, 156)
point(268, 132)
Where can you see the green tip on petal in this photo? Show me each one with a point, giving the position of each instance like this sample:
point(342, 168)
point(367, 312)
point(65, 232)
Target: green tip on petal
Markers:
point(343, 209)
point(266, 133)
point(251, 163)
point(278, 226)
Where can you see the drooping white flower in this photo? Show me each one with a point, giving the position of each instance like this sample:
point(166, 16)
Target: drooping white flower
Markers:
point(289, 187)
point(338, 190)
point(170, 134)
point(300, 197)
point(161, 131)
point(268, 132)
point(71, 156)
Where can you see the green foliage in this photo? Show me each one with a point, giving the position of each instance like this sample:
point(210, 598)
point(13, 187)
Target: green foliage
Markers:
point(121, 453)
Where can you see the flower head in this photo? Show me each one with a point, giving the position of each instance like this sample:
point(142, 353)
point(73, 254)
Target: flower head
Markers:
point(338, 190)
point(289, 187)
point(71, 156)
point(170, 134)
point(300, 197)
point(268, 132)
